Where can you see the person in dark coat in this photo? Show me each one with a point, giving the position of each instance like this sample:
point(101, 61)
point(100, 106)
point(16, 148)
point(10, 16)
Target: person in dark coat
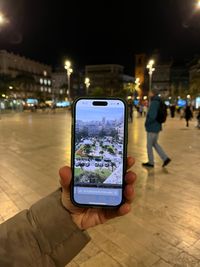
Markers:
point(153, 127)
point(130, 110)
point(172, 111)
point(188, 115)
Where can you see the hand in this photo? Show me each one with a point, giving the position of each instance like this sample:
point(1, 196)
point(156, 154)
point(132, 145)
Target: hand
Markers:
point(85, 218)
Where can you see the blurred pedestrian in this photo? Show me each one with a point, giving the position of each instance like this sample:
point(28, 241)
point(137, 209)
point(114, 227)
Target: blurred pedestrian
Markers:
point(181, 113)
point(198, 118)
point(188, 115)
point(153, 127)
point(140, 110)
point(130, 110)
point(53, 107)
point(145, 110)
point(172, 110)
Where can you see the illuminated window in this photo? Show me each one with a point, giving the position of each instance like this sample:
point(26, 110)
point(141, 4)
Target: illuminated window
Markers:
point(41, 89)
point(41, 81)
point(49, 90)
point(45, 81)
point(49, 82)
point(61, 91)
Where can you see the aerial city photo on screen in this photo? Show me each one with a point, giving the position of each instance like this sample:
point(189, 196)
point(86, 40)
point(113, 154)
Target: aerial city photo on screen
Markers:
point(99, 148)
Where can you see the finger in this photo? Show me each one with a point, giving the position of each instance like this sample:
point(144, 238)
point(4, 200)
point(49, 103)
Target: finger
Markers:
point(129, 193)
point(124, 209)
point(65, 177)
point(130, 177)
point(130, 162)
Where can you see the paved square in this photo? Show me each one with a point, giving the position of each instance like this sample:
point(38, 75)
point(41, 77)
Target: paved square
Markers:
point(163, 228)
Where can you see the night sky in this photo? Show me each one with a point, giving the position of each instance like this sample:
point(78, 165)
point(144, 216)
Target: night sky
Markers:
point(99, 31)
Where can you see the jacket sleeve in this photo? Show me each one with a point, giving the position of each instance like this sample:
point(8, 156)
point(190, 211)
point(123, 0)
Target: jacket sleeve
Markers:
point(43, 236)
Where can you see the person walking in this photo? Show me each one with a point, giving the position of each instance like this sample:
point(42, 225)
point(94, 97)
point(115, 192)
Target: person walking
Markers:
point(130, 109)
point(198, 118)
point(153, 127)
point(172, 110)
point(145, 109)
point(188, 115)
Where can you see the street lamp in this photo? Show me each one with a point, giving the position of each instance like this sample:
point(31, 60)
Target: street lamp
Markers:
point(69, 72)
point(151, 70)
point(198, 4)
point(3, 19)
point(87, 84)
point(137, 83)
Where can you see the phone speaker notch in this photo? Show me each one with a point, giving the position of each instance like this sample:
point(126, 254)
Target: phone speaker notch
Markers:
point(99, 103)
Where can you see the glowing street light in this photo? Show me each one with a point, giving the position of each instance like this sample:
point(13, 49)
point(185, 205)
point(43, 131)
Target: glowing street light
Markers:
point(67, 64)
point(3, 19)
point(69, 70)
point(137, 83)
point(198, 4)
point(151, 70)
point(87, 84)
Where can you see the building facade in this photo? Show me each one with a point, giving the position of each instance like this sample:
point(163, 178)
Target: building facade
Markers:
point(61, 87)
point(179, 80)
point(161, 78)
point(108, 77)
point(140, 71)
point(170, 78)
point(29, 79)
point(194, 77)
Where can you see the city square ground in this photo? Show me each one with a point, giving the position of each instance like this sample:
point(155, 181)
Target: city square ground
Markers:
point(163, 228)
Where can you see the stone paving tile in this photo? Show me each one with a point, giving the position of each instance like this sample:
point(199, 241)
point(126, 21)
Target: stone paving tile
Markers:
point(118, 254)
point(72, 264)
point(99, 260)
point(163, 228)
point(185, 260)
point(162, 263)
point(8, 209)
point(81, 258)
point(137, 253)
point(92, 249)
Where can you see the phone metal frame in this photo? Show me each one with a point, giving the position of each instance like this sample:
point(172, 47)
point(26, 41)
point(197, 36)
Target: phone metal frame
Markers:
point(125, 143)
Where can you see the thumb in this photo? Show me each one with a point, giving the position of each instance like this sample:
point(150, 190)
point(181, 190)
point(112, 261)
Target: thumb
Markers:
point(65, 177)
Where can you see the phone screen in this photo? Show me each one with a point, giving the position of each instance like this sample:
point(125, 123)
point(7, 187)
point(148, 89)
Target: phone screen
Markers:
point(99, 151)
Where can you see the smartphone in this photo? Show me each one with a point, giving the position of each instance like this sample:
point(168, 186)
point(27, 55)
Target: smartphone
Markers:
point(99, 151)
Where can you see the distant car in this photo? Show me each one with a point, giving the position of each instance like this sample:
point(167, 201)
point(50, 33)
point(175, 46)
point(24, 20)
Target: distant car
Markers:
point(87, 164)
point(106, 164)
point(82, 164)
point(107, 160)
point(96, 164)
point(77, 164)
point(100, 164)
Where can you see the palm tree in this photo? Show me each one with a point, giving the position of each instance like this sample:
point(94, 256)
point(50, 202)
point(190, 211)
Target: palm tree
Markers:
point(23, 82)
point(5, 82)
